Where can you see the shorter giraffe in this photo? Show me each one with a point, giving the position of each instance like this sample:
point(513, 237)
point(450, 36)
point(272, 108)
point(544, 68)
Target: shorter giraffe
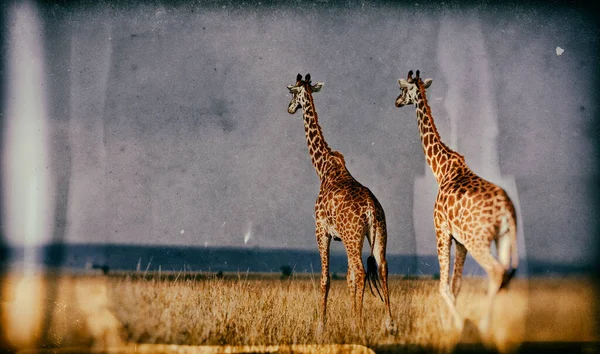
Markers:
point(345, 210)
point(468, 210)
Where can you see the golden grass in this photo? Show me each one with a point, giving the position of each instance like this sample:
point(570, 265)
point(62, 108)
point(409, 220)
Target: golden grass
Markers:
point(112, 311)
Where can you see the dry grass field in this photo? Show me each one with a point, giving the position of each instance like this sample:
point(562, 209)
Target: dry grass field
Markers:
point(111, 311)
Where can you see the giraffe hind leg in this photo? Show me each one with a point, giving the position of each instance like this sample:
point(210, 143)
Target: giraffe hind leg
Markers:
point(459, 262)
point(356, 285)
point(356, 272)
point(495, 272)
point(360, 290)
point(381, 263)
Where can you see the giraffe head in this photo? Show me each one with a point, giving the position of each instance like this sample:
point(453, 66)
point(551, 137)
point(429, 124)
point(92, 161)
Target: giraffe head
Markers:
point(300, 91)
point(408, 89)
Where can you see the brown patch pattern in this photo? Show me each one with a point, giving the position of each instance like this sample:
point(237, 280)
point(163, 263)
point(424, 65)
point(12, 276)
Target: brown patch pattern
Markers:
point(345, 210)
point(469, 211)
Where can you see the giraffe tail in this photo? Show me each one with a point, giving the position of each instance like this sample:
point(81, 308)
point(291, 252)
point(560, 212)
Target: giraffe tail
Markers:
point(372, 276)
point(512, 234)
point(513, 242)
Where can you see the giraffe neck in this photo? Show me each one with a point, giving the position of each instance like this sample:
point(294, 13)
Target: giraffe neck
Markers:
point(439, 157)
point(318, 149)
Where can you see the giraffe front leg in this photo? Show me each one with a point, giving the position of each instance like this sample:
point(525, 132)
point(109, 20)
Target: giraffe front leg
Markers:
point(444, 244)
point(459, 262)
point(323, 242)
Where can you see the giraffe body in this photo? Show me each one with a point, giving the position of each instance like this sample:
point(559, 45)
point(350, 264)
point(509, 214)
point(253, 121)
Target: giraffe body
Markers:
point(345, 210)
point(469, 211)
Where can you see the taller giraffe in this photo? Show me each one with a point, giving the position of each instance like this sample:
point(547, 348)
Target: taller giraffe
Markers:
point(345, 210)
point(468, 210)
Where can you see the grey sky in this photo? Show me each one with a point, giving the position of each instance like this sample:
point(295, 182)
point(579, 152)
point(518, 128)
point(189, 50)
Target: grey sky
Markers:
point(175, 117)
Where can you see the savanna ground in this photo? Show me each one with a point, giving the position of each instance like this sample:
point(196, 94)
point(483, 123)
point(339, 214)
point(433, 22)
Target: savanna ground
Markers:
point(242, 309)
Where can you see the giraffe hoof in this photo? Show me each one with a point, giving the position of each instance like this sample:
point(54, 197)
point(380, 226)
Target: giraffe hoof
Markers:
point(459, 323)
point(390, 326)
point(320, 329)
point(484, 326)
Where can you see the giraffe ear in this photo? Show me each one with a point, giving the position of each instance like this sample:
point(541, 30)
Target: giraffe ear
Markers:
point(403, 83)
point(318, 86)
point(293, 89)
point(427, 82)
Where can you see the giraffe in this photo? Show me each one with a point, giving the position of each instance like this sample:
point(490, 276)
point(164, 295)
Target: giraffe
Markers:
point(469, 211)
point(345, 210)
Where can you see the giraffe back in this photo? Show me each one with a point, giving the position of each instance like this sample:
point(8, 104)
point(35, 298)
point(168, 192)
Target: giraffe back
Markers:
point(347, 207)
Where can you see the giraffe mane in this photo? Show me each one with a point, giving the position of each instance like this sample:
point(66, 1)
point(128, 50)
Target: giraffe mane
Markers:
point(307, 86)
point(309, 93)
point(427, 110)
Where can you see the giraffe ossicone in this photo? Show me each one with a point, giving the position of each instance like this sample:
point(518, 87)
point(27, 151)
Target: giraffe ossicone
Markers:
point(469, 211)
point(345, 210)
